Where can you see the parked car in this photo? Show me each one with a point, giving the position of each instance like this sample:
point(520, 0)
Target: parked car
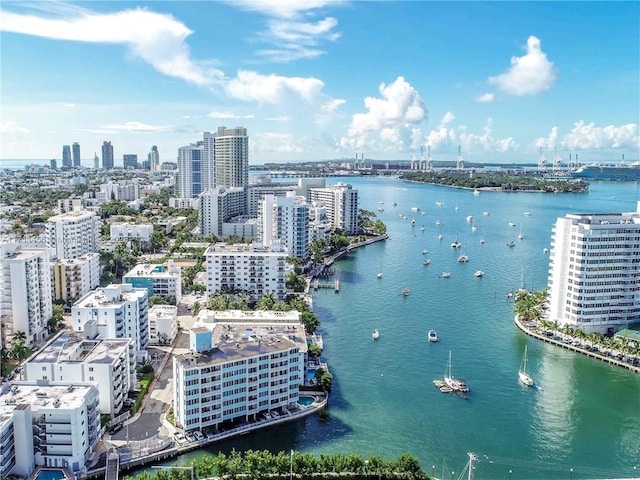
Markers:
point(191, 437)
point(115, 428)
point(180, 438)
point(198, 435)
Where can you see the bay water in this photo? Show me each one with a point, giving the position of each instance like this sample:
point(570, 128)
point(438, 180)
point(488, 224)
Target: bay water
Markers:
point(581, 420)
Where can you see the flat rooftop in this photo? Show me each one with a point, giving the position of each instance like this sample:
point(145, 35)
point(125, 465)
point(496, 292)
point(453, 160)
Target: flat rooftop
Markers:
point(73, 348)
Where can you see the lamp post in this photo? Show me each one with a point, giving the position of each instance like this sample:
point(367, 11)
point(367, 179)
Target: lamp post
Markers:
point(433, 470)
point(171, 467)
point(291, 466)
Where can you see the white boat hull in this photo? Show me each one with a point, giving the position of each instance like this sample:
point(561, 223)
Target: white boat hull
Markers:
point(525, 379)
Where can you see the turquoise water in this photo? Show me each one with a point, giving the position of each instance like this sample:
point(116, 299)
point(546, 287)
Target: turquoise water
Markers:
point(583, 414)
point(50, 475)
point(306, 401)
point(310, 375)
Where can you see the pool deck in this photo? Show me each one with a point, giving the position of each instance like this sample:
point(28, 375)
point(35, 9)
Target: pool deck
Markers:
point(65, 472)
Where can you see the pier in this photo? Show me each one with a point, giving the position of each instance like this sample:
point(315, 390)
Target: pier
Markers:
point(335, 285)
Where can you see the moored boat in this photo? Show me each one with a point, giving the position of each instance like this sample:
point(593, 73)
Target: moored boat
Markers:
point(432, 336)
point(375, 335)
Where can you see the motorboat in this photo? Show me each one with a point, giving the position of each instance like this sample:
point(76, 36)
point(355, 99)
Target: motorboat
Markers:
point(445, 274)
point(415, 209)
point(432, 336)
point(486, 213)
point(481, 240)
point(440, 204)
point(464, 258)
point(511, 224)
point(456, 244)
point(406, 292)
point(476, 192)
point(474, 229)
point(469, 218)
point(413, 222)
point(426, 261)
point(478, 273)
point(438, 223)
point(523, 376)
point(375, 335)
point(422, 229)
point(379, 275)
point(545, 250)
point(425, 251)
point(440, 237)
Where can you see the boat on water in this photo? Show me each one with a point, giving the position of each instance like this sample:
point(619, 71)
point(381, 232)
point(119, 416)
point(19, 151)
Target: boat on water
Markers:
point(455, 384)
point(476, 192)
point(445, 274)
point(469, 218)
point(425, 251)
point(545, 250)
point(415, 209)
point(426, 261)
point(523, 376)
point(464, 258)
point(413, 222)
point(456, 244)
point(528, 214)
point(478, 273)
point(438, 223)
point(440, 204)
point(482, 240)
point(440, 237)
point(432, 336)
point(511, 244)
point(422, 229)
point(379, 275)
point(486, 212)
point(395, 204)
point(512, 224)
point(621, 171)
point(406, 292)
point(474, 229)
point(375, 335)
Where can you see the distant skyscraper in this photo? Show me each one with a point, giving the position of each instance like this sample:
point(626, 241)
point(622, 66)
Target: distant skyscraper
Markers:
point(154, 159)
point(66, 156)
point(189, 177)
point(107, 155)
point(130, 160)
point(76, 154)
point(231, 157)
point(96, 161)
point(53, 165)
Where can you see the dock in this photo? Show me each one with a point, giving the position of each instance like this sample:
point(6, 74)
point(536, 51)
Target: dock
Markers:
point(319, 284)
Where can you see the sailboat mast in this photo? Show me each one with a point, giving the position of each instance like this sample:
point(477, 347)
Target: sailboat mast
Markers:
point(472, 459)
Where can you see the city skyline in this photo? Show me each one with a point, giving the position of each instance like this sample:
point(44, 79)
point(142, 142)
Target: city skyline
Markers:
point(323, 80)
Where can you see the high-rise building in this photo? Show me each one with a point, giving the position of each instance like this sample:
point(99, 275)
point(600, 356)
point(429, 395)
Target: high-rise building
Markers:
point(594, 271)
point(217, 206)
point(74, 277)
point(73, 234)
point(76, 154)
point(154, 159)
point(107, 155)
point(189, 177)
point(285, 221)
point(96, 161)
point(231, 157)
point(53, 165)
point(130, 160)
point(341, 202)
point(25, 292)
point(66, 156)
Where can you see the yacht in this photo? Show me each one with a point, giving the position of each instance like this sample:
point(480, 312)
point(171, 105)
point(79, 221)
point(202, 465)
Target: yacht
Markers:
point(486, 212)
point(446, 274)
point(523, 376)
point(469, 218)
point(375, 335)
point(432, 336)
point(478, 273)
point(455, 244)
point(406, 292)
point(426, 261)
point(464, 258)
point(379, 275)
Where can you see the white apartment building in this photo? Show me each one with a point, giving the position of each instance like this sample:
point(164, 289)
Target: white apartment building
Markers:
point(237, 372)
point(74, 277)
point(49, 424)
point(594, 271)
point(263, 185)
point(127, 191)
point(285, 221)
point(319, 224)
point(341, 202)
point(73, 234)
point(70, 357)
point(70, 204)
point(231, 157)
point(131, 231)
point(163, 324)
point(189, 176)
point(218, 206)
point(184, 202)
point(160, 280)
point(115, 311)
point(25, 292)
point(254, 269)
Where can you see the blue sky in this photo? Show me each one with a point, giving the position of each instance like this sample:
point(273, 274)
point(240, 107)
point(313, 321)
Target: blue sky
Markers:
point(318, 79)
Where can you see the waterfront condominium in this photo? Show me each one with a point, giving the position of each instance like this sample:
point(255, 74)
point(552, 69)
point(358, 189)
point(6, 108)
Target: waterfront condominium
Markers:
point(75, 148)
point(73, 234)
point(70, 357)
point(189, 176)
point(594, 271)
point(341, 202)
point(115, 311)
point(66, 156)
point(255, 269)
point(231, 157)
point(237, 372)
point(48, 424)
point(285, 221)
point(107, 155)
point(25, 292)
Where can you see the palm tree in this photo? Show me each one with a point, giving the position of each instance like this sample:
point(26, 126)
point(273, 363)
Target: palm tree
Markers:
point(266, 302)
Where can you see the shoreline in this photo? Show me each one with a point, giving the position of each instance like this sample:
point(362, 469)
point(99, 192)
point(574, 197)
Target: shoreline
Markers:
point(596, 355)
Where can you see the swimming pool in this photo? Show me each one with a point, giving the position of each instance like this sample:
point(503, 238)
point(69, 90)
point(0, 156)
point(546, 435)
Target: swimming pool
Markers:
point(306, 401)
point(50, 475)
point(311, 374)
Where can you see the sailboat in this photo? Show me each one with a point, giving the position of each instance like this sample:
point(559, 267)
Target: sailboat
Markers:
point(523, 376)
point(455, 384)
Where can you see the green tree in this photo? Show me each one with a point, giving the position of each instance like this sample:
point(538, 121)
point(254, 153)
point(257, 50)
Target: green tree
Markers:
point(314, 351)
point(310, 322)
point(57, 319)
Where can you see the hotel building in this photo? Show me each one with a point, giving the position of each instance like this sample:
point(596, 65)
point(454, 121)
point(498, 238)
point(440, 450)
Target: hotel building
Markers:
point(49, 424)
point(25, 292)
point(594, 271)
point(70, 357)
point(231, 156)
point(116, 311)
point(255, 269)
point(341, 202)
point(74, 277)
point(157, 279)
point(237, 372)
point(73, 234)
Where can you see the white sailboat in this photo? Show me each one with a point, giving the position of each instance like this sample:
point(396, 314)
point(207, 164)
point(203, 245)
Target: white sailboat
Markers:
point(455, 384)
point(523, 376)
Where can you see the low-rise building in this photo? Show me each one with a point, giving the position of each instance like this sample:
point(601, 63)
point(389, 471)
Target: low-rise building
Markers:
point(70, 357)
point(130, 231)
point(74, 277)
point(163, 324)
point(237, 372)
point(160, 280)
point(49, 424)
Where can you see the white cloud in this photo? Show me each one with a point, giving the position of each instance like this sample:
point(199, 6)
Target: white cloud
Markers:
point(136, 127)
point(584, 136)
point(332, 105)
point(282, 118)
point(486, 142)
point(8, 127)
point(158, 39)
point(277, 143)
point(252, 86)
point(485, 97)
point(550, 141)
point(443, 136)
point(282, 8)
point(228, 115)
point(530, 74)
